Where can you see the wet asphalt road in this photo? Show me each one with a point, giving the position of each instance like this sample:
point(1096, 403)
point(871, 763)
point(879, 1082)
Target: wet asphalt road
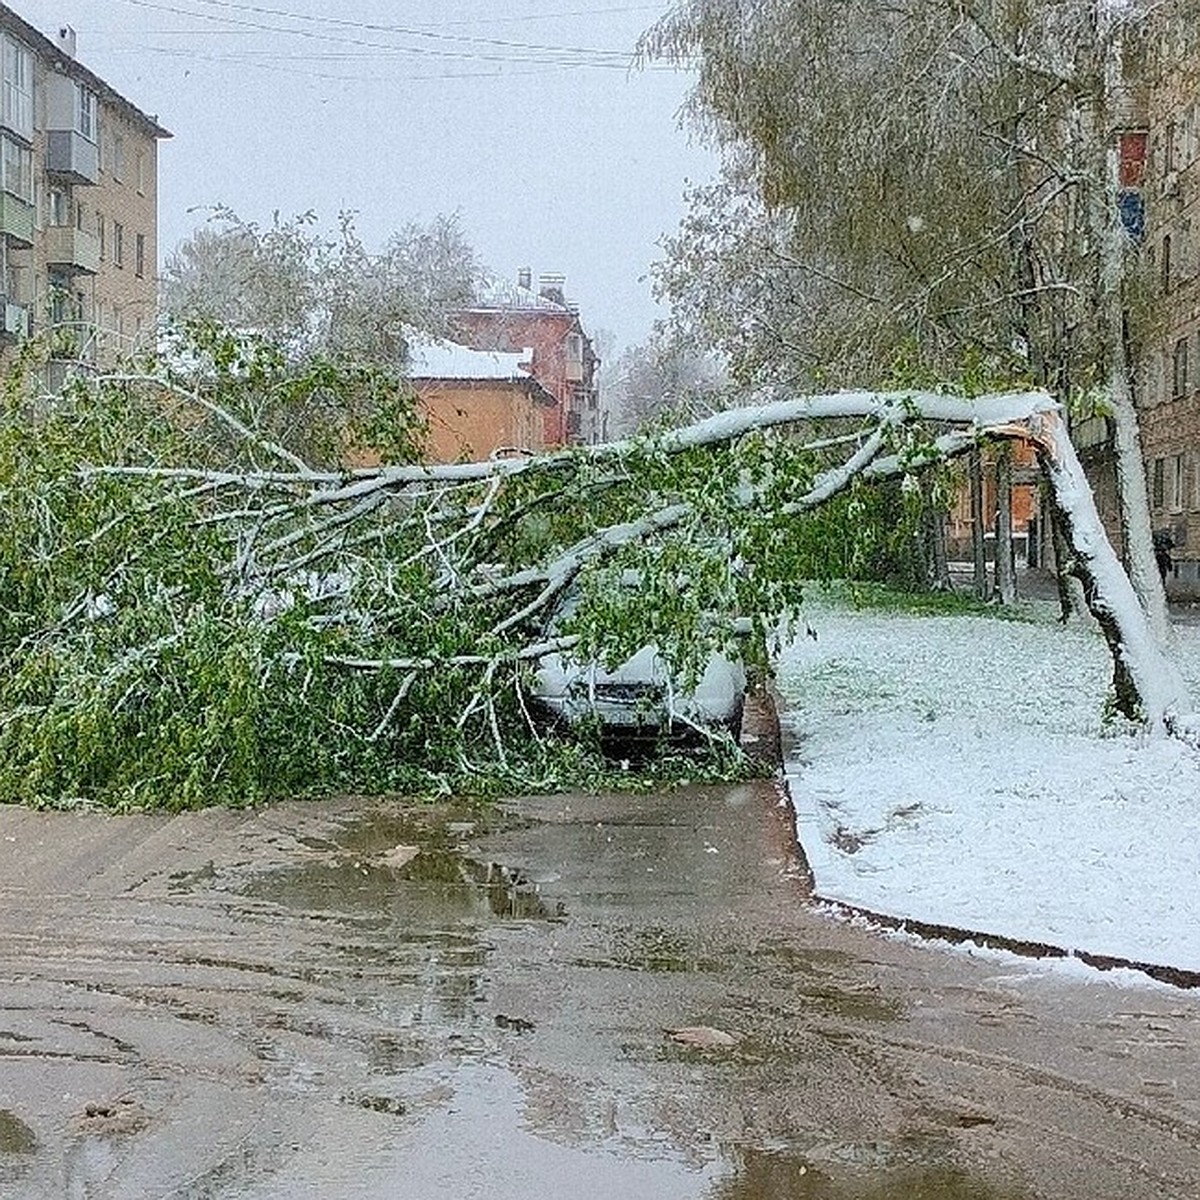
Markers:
point(355, 999)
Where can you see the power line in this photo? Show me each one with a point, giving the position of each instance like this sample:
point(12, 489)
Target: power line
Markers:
point(405, 30)
point(102, 33)
point(279, 67)
point(497, 49)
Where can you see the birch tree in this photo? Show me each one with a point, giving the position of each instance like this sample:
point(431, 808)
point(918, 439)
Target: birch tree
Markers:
point(192, 611)
point(934, 176)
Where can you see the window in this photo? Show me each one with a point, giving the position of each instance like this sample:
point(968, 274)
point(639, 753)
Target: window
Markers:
point(1179, 370)
point(86, 105)
point(1165, 263)
point(139, 256)
point(573, 349)
point(1156, 485)
point(58, 206)
point(141, 173)
point(16, 169)
point(1177, 483)
point(100, 230)
point(16, 107)
point(118, 244)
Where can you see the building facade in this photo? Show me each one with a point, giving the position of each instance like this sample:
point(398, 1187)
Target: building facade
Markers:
point(510, 317)
point(478, 404)
point(1168, 372)
point(78, 201)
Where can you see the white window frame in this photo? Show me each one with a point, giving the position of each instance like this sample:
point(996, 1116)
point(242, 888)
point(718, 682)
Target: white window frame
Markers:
point(16, 160)
point(58, 206)
point(87, 113)
point(16, 95)
point(1178, 483)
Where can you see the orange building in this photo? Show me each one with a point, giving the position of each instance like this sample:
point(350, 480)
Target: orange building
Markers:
point(1024, 508)
point(544, 325)
point(478, 403)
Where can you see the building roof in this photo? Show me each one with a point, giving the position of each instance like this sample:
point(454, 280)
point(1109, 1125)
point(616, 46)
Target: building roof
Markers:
point(496, 293)
point(439, 359)
point(49, 50)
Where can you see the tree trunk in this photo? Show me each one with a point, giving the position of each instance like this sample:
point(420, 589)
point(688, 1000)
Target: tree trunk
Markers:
point(1147, 685)
point(933, 529)
point(1006, 584)
point(1070, 592)
point(1113, 243)
point(978, 551)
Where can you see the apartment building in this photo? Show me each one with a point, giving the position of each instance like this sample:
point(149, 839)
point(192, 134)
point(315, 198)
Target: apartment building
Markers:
point(511, 317)
point(479, 404)
point(78, 200)
point(1168, 384)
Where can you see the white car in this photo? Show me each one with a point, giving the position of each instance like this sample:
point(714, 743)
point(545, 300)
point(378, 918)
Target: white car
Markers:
point(638, 697)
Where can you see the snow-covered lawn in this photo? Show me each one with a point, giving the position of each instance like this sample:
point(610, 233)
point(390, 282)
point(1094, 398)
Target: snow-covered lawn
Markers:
point(957, 770)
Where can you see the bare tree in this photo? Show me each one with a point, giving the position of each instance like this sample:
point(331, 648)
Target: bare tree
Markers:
point(662, 380)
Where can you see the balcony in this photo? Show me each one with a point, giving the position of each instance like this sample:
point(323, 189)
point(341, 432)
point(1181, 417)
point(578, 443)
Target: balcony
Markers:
point(71, 157)
point(73, 250)
point(16, 220)
point(16, 320)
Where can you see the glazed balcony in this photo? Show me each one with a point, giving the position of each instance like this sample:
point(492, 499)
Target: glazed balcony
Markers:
point(16, 220)
point(73, 250)
point(72, 157)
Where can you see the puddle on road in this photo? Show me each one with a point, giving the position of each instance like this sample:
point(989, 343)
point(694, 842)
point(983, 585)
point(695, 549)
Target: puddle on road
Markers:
point(778, 1175)
point(408, 865)
point(15, 1136)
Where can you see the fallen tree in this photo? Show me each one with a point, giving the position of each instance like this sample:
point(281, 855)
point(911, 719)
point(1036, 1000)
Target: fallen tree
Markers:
point(190, 612)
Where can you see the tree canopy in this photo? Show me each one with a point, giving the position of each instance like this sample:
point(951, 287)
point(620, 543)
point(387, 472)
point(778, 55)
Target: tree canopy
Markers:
point(931, 183)
point(194, 611)
point(309, 291)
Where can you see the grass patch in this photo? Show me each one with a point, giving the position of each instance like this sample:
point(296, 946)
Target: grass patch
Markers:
point(880, 597)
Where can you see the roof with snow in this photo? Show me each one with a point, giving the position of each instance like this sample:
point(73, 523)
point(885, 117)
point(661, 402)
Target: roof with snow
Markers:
point(442, 359)
point(502, 293)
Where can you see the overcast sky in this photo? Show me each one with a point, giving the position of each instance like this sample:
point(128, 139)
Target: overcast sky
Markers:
point(521, 116)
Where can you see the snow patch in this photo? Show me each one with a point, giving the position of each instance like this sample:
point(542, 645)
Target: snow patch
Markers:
point(956, 771)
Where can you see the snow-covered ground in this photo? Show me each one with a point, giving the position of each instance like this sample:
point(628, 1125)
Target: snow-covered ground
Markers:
point(957, 770)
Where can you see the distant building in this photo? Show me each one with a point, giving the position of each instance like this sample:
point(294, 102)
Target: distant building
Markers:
point(478, 403)
point(1023, 516)
point(78, 199)
point(508, 317)
point(1167, 190)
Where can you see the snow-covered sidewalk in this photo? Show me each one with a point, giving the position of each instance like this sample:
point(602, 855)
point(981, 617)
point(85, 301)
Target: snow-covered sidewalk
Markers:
point(956, 770)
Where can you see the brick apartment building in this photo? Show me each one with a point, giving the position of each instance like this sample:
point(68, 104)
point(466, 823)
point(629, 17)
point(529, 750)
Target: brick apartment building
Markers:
point(78, 200)
point(511, 317)
point(1161, 174)
point(478, 403)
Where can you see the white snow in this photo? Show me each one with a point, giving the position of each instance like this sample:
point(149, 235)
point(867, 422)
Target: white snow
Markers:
point(957, 770)
point(503, 293)
point(440, 359)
